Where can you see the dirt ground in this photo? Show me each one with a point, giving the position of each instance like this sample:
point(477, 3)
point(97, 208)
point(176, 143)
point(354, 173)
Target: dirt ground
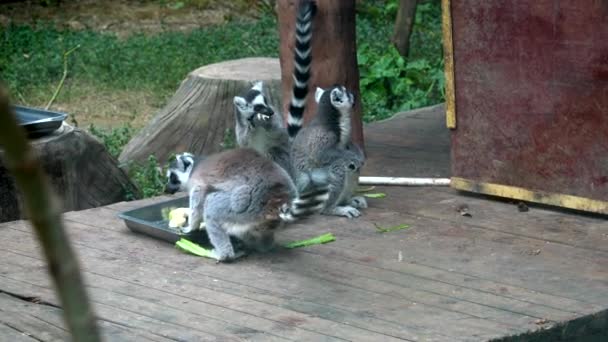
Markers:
point(124, 17)
point(87, 103)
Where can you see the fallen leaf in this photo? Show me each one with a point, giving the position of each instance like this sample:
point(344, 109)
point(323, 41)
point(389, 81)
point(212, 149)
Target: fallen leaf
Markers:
point(390, 229)
point(375, 195)
point(463, 210)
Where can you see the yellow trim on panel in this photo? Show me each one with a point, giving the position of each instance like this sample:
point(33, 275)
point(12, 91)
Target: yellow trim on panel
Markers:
point(448, 55)
point(560, 200)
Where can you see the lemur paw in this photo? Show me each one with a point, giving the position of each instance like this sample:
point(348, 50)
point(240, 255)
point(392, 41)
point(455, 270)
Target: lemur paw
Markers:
point(358, 202)
point(187, 229)
point(225, 257)
point(346, 211)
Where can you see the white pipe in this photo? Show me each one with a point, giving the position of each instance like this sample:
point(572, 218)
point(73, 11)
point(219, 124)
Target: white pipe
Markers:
point(406, 181)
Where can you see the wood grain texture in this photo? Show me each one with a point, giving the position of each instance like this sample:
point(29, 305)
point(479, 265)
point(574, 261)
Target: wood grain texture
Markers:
point(195, 119)
point(81, 171)
point(334, 54)
point(531, 85)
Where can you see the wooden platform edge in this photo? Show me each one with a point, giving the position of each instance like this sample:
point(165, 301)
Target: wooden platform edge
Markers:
point(537, 196)
point(593, 327)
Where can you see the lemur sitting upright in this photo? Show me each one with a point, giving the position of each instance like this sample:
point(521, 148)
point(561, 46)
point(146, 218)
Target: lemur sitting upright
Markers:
point(243, 194)
point(257, 126)
point(326, 143)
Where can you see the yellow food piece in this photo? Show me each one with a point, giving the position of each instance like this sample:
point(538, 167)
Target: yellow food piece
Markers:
point(178, 217)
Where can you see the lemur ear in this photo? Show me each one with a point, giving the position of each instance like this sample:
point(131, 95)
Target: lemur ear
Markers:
point(239, 102)
point(318, 93)
point(183, 161)
point(186, 161)
point(258, 85)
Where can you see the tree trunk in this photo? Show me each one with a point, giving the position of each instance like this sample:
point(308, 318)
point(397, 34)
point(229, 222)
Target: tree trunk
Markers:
point(196, 119)
point(403, 26)
point(81, 171)
point(334, 53)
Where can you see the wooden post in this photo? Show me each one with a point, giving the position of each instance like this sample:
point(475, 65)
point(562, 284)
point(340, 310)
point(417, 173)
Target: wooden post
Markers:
point(334, 53)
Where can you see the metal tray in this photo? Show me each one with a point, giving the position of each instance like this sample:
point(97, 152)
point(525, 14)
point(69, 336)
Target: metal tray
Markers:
point(38, 122)
point(148, 220)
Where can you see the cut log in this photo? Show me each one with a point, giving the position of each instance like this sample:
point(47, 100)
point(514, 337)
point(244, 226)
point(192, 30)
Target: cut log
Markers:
point(81, 171)
point(334, 54)
point(196, 119)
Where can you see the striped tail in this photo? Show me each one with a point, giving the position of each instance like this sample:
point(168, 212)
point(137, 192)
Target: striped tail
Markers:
point(302, 61)
point(312, 198)
point(306, 204)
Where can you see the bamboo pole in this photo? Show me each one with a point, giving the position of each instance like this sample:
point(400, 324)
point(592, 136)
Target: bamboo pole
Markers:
point(44, 214)
point(405, 181)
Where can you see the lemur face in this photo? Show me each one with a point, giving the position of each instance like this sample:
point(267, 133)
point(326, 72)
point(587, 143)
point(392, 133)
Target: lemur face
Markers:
point(254, 104)
point(339, 97)
point(179, 173)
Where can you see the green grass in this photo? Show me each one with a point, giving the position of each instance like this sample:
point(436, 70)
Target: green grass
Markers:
point(31, 57)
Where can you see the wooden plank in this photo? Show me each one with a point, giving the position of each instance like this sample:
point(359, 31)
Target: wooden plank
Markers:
point(139, 244)
point(444, 233)
point(28, 324)
point(541, 223)
point(232, 298)
point(11, 333)
point(465, 279)
point(45, 322)
point(125, 315)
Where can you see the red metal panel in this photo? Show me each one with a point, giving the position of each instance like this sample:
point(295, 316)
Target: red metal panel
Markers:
point(531, 84)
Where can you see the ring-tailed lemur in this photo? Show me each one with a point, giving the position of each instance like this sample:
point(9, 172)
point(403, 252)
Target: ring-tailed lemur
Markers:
point(257, 126)
point(326, 143)
point(243, 194)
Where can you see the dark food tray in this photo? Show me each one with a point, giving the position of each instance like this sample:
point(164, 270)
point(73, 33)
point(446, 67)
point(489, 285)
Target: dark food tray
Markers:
point(149, 220)
point(38, 122)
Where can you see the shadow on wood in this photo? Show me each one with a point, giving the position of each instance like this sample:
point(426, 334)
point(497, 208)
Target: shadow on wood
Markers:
point(198, 115)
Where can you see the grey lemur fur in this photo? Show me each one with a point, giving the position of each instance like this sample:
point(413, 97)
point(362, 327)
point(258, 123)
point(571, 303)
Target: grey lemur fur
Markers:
point(243, 194)
point(326, 143)
point(257, 126)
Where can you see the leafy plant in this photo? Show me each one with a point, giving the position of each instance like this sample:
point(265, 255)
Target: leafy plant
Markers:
point(149, 177)
point(389, 83)
point(114, 139)
point(229, 139)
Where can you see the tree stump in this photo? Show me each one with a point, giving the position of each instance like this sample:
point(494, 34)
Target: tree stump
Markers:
point(197, 117)
point(81, 171)
point(334, 53)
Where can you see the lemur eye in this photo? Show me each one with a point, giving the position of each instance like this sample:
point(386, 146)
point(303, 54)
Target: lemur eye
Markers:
point(258, 108)
point(352, 166)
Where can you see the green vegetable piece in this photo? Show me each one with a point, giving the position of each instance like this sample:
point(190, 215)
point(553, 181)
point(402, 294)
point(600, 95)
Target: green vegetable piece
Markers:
point(391, 229)
point(376, 195)
point(325, 238)
point(193, 248)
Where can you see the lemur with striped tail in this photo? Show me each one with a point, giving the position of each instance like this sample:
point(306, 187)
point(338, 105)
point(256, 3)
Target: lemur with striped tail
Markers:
point(326, 143)
point(257, 124)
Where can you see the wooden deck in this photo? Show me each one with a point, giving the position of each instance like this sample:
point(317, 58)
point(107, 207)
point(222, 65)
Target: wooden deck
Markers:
point(448, 277)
